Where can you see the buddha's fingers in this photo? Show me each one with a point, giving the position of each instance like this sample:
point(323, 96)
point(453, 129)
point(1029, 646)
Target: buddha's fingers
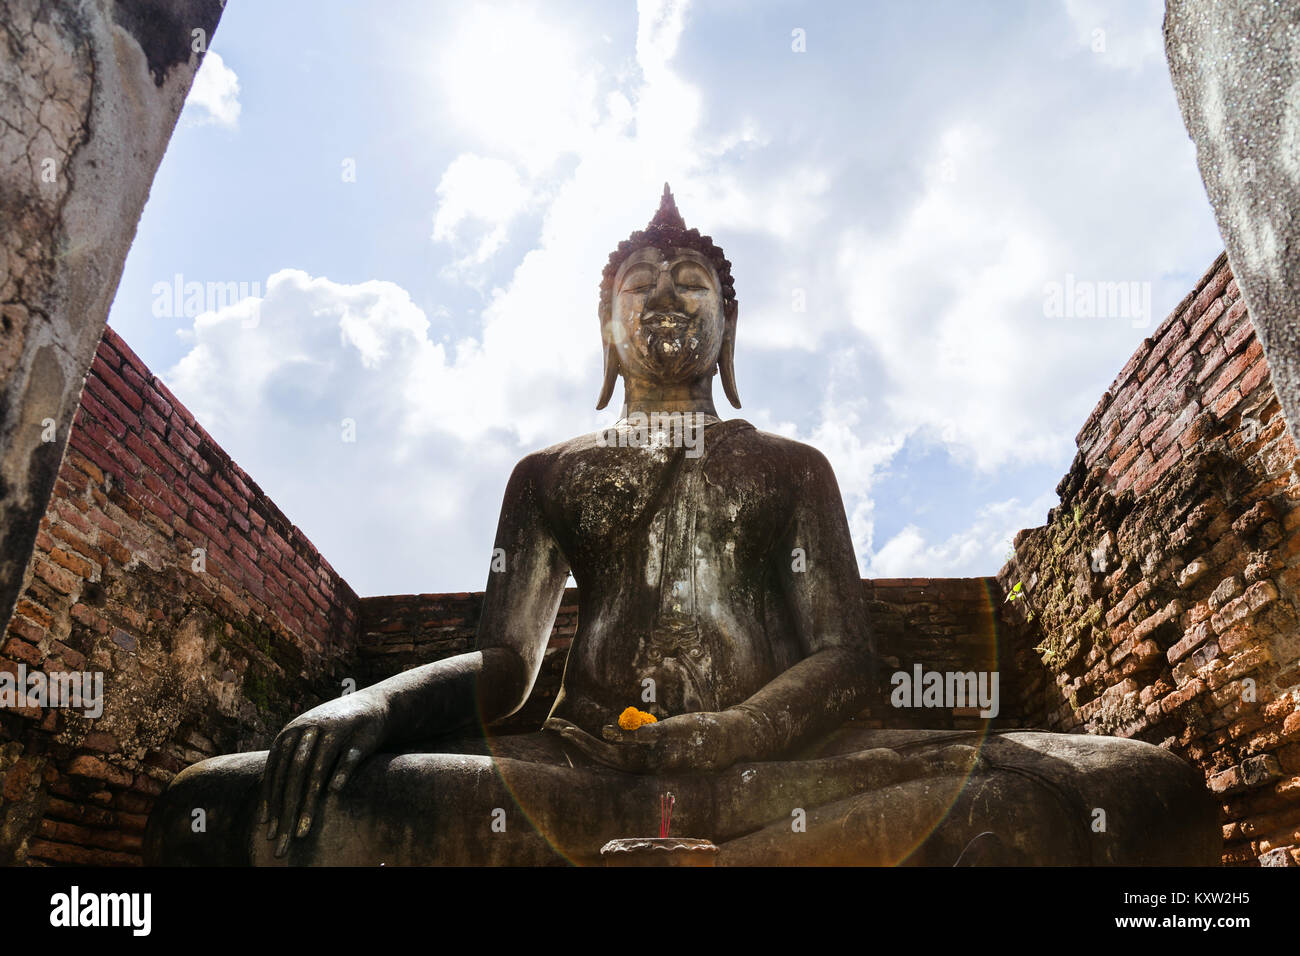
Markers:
point(293, 788)
point(273, 779)
point(327, 754)
point(347, 764)
point(618, 756)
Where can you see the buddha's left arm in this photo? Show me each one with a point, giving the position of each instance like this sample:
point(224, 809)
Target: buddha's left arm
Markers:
point(818, 570)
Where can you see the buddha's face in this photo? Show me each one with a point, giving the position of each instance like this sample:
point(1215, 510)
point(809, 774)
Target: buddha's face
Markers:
point(667, 318)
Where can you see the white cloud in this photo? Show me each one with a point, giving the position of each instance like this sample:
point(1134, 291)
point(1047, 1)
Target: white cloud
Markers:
point(477, 191)
point(1120, 35)
point(215, 93)
point(410, 502)
point(949, 301)
point(516, 83)
point(858, 445)
point(977, 550)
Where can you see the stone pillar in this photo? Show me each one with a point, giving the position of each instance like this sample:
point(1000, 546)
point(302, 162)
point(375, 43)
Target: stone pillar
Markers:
point(90, 91)
point(1236, 72)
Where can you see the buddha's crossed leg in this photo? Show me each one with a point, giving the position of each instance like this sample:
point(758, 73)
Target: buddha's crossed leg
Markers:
point(524, 800)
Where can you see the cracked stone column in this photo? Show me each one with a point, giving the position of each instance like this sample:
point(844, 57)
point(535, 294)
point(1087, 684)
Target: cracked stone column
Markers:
point(90, 91)
point(1236, 72)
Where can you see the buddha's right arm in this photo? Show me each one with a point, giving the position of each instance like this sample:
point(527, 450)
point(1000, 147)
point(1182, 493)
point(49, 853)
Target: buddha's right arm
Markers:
point(326, 744)
point(438, 698)
point(524, 589)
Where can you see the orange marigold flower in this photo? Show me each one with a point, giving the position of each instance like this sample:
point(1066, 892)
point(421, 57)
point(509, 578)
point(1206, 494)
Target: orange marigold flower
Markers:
point(631, 718)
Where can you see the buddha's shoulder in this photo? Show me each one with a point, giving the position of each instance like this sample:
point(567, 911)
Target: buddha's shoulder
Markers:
point(580, 446)
point(778, 446)
point(538, 465)
point(799, 461)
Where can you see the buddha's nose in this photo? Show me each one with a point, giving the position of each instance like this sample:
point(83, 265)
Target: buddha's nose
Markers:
point(664, 298)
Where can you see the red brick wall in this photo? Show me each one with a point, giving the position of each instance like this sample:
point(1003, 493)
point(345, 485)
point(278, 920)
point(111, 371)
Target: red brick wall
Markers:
point(195, 663)
point(1161, 596)
point(945, 625)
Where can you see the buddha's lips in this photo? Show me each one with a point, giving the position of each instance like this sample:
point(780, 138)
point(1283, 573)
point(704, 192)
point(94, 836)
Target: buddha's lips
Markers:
point(666, 320)
point(670, 341)
point(668, 331)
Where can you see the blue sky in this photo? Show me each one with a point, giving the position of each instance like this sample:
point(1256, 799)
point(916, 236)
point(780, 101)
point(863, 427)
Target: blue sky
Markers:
point(419, 199)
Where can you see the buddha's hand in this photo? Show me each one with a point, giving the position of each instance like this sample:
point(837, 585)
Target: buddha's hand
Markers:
point(708, 740)
point(323, 745)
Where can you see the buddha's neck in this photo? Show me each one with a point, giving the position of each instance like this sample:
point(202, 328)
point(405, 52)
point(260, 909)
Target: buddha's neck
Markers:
point(647, 397)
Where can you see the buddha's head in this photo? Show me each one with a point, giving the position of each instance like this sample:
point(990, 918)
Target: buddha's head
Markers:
point(668, 308)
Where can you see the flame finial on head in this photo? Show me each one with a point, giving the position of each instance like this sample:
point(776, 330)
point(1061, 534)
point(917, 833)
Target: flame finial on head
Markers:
point(667, 215)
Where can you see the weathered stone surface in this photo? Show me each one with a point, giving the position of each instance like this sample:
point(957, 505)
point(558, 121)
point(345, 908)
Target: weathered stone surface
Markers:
point(1235, 68)
point(89, 94)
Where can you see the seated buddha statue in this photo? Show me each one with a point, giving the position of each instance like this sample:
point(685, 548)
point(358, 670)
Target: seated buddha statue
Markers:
point(719, 594)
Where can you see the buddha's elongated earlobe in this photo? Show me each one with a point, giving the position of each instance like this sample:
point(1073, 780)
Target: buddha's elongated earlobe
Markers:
point(727, 358)
point(611, 375)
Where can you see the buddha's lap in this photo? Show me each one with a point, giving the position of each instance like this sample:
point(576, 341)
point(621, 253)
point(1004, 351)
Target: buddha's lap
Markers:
point(541, 776)
point(858, 789)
